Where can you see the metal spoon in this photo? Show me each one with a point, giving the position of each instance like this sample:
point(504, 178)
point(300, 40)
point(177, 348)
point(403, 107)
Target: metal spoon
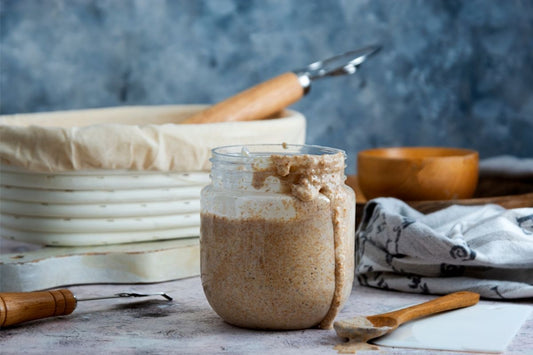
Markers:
point(362, 329)
point(272, 96)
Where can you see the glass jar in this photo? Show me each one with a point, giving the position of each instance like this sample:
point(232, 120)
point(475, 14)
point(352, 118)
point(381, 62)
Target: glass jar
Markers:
point(277, 236)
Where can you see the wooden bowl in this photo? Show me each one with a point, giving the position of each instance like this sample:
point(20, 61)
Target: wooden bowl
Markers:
point(418, 173)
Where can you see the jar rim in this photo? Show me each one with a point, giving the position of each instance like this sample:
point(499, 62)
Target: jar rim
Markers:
point(241, 151)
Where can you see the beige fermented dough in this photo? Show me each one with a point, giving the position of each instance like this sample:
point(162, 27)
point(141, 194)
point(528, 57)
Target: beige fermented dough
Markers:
point(137, 138)
point(263, 271)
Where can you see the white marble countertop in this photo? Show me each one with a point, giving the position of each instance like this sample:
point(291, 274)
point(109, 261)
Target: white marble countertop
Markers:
point(188, 325)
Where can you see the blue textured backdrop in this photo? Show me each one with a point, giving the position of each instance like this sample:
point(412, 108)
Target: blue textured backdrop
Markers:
point(456, 73)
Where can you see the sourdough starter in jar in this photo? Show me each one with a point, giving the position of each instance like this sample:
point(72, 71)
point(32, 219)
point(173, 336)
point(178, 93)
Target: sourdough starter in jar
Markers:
point(277, 236)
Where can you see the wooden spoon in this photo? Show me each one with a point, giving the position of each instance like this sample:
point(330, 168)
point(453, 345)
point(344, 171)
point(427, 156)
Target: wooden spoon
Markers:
point(362, 329)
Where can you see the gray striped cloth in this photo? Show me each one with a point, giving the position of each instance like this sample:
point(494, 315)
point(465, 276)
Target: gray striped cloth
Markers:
point(485, 249)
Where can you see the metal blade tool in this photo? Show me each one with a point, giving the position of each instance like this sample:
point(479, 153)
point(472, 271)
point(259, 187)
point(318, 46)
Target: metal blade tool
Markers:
point(19, 307)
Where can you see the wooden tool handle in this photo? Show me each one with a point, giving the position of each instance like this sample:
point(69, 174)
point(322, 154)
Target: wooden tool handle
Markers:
point(256, 103)
point(18, 307)
point(445, 303)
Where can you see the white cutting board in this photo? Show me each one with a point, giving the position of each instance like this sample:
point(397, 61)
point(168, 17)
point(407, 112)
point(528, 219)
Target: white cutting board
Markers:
point(145, 262)
point(480, 328)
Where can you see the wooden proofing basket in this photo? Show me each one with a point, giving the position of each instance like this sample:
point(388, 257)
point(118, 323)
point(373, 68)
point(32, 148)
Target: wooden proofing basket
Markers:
point(115, 175)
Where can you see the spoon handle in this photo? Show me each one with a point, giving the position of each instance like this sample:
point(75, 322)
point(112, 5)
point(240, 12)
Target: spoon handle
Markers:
point(445, 303)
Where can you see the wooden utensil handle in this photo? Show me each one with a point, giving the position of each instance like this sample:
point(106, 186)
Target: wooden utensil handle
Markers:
point(255, 103)
point(445, 303)
point(18, 307)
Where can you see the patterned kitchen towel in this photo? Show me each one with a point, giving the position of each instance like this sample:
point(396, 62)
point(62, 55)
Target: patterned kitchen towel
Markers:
point(485, 249)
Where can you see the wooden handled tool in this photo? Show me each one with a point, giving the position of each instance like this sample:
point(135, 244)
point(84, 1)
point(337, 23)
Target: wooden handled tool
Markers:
point(272, 96)
point(19, 307)
point(256, 103)
point(362, 329)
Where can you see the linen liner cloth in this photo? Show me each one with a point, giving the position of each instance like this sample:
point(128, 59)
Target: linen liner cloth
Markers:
point(485, 249)
point(136, 138)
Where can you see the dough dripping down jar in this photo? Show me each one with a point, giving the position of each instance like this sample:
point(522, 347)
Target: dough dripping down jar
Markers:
point(277, 236)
